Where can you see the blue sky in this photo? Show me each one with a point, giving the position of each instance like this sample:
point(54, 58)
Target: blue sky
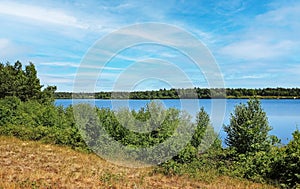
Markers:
point(256, 43)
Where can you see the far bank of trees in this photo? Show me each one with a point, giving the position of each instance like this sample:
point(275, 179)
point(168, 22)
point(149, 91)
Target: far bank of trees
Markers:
point(203, 93)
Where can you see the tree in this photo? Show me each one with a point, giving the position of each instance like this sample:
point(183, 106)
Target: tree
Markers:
point(248, 128)
point(48, 94)
point(287, 169)
point(23, 84)
point(33, 87)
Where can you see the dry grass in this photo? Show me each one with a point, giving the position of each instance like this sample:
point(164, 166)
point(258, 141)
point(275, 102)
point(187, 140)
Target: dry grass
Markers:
point(27, 164)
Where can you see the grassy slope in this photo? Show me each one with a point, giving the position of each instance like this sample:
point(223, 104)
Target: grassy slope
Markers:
point(27, 164)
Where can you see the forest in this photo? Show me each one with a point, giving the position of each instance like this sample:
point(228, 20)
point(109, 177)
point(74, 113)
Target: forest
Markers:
point(28, 112)
point(201, 93)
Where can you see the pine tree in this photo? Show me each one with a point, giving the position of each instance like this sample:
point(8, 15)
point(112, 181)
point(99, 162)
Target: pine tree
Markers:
point(248, 128)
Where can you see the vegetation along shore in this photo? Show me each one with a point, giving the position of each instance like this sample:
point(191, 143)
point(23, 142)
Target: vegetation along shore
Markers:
point(28, 112)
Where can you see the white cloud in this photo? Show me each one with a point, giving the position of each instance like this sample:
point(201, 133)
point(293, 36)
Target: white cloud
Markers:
point(77, 65)
point(255, 76)
point(283, 16)
point(60, 64)
point(4, 43)
point(272, 35)
point(291, 69)
point(49, 79)
point(40, 14)
point(154, 69)
point(256, 49)
point(8, 49)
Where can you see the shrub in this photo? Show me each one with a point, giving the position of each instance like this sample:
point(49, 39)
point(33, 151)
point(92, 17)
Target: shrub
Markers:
point(286, 169)
point(248, 129)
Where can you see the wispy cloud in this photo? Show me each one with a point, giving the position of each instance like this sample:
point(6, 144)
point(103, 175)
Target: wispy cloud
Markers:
point(48, 79)
point(77, 65)
point(4, 43)
point(258, 49)
point(270, 35)
point(60, 64)
point(154, 69)
point(40, 14)
point(285, 14)
point(8, 49)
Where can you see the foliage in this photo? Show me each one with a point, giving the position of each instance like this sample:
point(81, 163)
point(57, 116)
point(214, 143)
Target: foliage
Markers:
point(203, 138)
point(203, 93)
point(32, 120)
point(199, 154)
point(287, 168)
point(145, 128)
point(24, 84)
point(248, 128)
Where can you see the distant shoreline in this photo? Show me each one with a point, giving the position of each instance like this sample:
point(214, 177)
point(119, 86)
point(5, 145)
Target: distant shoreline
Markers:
point(264, 98)
point(196, 93)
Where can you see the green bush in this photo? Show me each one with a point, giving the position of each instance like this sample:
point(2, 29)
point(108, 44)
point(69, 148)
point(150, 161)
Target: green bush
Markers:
point(263, 161)
point(32, 120)
point(286, 168)
point(255, 155)
point(248, 128)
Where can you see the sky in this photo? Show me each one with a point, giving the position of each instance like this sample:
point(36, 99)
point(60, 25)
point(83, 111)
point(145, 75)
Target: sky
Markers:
point(255, 43)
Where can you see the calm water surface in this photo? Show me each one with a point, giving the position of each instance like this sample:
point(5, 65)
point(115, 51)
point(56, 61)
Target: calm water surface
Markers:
point(283, 115)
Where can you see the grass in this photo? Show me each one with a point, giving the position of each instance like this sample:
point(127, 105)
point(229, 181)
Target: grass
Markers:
point(28, 164)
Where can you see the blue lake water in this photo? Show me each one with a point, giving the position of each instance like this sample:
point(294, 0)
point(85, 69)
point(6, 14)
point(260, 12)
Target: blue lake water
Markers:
point(283, 114)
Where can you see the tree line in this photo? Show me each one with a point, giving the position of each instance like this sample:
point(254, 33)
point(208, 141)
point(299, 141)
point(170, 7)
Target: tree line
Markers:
point(201, 93)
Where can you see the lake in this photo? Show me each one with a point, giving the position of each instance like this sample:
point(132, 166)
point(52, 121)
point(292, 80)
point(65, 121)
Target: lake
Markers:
point(283, 114)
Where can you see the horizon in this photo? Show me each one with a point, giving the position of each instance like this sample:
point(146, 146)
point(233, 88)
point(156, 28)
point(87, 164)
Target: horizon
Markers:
point(180, 89)
point(255, 43)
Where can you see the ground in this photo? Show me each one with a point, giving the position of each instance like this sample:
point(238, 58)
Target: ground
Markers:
point(28, 164)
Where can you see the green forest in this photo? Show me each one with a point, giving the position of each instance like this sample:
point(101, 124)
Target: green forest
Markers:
point(28, 112)
point(201, 93)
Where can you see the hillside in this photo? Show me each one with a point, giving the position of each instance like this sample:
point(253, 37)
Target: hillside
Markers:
point(27, 164)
